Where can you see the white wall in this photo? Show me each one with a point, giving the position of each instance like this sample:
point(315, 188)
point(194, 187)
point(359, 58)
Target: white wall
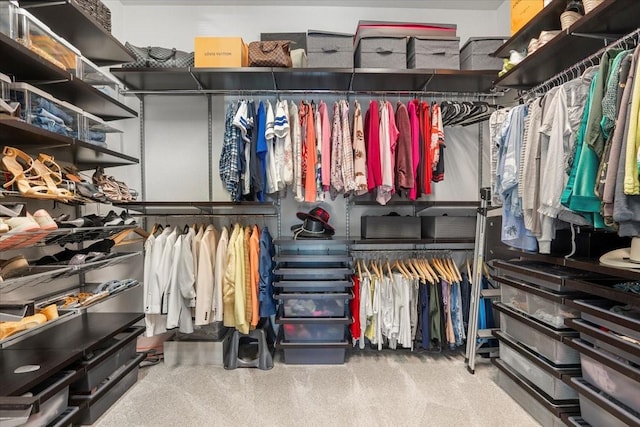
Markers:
point(176, 127)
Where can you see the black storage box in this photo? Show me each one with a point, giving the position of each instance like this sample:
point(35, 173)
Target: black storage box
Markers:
point(390, 227)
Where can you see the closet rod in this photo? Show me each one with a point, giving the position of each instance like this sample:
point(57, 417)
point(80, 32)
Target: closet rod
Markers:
point(255, 92)
point(363, 253)
point(577, 68)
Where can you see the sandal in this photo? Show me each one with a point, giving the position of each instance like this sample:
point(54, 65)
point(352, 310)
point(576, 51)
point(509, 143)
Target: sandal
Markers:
point(86, 189)
point(49, 177)
point(108, 187)
point(22, 166)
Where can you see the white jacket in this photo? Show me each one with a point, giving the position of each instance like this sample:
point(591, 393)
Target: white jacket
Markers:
point(205, 280)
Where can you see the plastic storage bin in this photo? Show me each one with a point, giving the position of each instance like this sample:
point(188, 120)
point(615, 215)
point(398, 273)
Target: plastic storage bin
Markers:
point(390, 227)
point(599, 312)
point(598, 409)
point(476, 53)
point(93, 75)
point(9, 19)
point(44, 111)
point(539, 273)
point(326, 353)
point(313, 329)
point(5, 83)
point(313, 285)
point(539, 338)
point(314, 305)
point(115, 353)
point(618, 385)
point(442, 53)
point(36, 36)
point(547, 413)
point(552, 386)
point(540, 304)
point(96, 131)
point(382, 52)
point(329, 49)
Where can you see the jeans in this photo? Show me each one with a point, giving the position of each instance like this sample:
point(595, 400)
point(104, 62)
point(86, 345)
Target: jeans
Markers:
point(50, 125)
point(456, 314)
point(55, 110)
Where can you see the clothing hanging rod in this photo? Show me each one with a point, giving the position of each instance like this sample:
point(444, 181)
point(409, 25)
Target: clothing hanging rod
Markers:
point(577, 68)
point(271, 92)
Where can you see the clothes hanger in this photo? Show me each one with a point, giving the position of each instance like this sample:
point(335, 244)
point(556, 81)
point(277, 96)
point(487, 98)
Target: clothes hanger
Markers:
point(157, 227)
point(468, 271)
point(120, 238)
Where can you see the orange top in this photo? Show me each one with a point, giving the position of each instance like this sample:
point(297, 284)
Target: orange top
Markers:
point(312, 157)
point(254, 261)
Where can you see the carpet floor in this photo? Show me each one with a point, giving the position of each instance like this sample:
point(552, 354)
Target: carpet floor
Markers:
point(371, 389)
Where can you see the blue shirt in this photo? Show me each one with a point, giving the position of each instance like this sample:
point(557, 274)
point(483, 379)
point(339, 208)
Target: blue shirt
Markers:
point(265, 269)
point(261, 151)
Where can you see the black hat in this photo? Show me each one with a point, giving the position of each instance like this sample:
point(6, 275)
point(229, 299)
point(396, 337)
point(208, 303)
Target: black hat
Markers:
point(311, 229)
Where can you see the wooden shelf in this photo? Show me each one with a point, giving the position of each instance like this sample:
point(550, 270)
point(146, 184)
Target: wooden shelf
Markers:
point(612, 17)
point(86, 34)
point(84, 155)
point(26, 66)
point(330, 79)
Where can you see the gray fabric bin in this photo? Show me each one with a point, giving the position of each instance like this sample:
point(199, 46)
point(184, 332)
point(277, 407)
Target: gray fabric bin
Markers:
point(390, 227)
point(327, 49)
point(475, 54)
point(440, 53)
point(382, 52)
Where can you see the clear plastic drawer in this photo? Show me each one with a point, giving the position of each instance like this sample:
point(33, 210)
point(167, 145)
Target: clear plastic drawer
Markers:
point(92, 74)
point(98, 132)
point(5, 83)
point(315, 305)
point(9, 18)
point(44, 111)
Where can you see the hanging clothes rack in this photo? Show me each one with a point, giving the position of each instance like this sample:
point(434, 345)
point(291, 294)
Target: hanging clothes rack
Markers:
point(627, 42)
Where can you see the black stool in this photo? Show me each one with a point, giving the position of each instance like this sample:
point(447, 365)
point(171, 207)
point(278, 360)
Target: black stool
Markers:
point(259, 337)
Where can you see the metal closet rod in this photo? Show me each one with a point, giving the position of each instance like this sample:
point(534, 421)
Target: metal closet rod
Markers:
point(233, 92)
point(591, 60)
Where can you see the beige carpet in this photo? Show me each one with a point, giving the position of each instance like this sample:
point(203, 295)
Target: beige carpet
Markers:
point(371, 389)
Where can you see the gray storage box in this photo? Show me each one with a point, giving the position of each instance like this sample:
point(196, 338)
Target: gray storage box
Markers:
point(449, 227)
point(475, 54)
point(299, 40)
point(327, 49)
point(382, 52)
point(442, 53)
point(390, 227)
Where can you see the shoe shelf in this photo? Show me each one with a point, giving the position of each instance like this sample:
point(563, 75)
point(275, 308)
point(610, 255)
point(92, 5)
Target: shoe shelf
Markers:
point(583, 38)
point(38, 275)
point(199, 208)
point(95, 42)
point(25, 66)
point(60, 236)
point(59, 297)
point(84, 155)
point(63, 315)
point(303, 79)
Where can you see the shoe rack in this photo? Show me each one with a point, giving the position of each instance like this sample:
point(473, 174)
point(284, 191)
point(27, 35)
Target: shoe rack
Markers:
point(77, 363)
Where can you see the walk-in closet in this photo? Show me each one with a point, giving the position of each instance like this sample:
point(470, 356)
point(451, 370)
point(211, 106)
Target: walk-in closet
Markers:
point(312, 212)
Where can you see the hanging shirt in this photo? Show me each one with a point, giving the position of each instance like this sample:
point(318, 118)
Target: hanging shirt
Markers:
point(240, 284)
point(326, 146)
point(163, 273)
point(427, 163)
point(385, 190)
point(365, 310)
point(415, 148)
point(152, 296)
point(217, 306)
point(311, 157)
point(393, 140)
point(262, 149)
point(248, 296)
point(359, 152)
point(404, 157)
point(181, 289)
point(229, 282)
point(205, 281)
point(254, 259)
point(254, 162)
point(354, 307)
point(244, 122)
point(229, 163)
point(348, 175)
point(195, 248)
point(337, 184)
point(319, 137)
point(273, 174)
point(632, 163)
point(296, 140)
point(372, 138)
point(437, 144)
point(283, 163)
point(267, 252)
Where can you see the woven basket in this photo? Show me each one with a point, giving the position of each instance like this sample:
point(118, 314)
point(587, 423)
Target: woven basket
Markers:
point(98, 11)
point(589, 5)
point(568, 18)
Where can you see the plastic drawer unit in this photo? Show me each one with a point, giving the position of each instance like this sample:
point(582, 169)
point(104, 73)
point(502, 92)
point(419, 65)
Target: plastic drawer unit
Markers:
point(313, 285)
point(607, 340)
point(9, 19)
point(541, 339)
point(47, 403)
point(38, 38)
point(548, 276)
point(115, 353)
point(612, 375)
point(313, 329)
point(546, 377)
point(315, 304)
point(108, 392)
point(314, 353)
point(5, 82)
point(546, 306)
point(546, 413)
point(40, 109)
point(96, 131)
point(599, 409)
point(90, 73)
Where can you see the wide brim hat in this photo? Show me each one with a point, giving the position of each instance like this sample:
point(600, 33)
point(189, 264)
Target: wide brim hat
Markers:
point(311, 229)
point(625, 257)
point(318, 214)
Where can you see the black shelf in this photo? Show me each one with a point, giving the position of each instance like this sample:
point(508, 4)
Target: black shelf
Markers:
point(162, 207)
point(33, 139)
point(26, 66)
point(330, 79)
point(86, 34)
point(614, 17)
point(418, 203)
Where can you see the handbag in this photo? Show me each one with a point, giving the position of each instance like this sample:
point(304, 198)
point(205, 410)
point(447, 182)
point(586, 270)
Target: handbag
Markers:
point(158, 57)
point(270, 54)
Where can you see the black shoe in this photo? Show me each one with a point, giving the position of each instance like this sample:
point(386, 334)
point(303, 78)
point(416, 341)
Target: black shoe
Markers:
point(128, 219)
point(112, 219)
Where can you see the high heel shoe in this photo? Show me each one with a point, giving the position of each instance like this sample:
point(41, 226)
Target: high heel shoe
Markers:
point(107, 185)
point(25, 176)
point(49, 177)
point(86, 189)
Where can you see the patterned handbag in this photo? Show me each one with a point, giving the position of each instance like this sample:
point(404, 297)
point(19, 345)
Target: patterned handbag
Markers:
point(158, 57)
point(270, 54)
